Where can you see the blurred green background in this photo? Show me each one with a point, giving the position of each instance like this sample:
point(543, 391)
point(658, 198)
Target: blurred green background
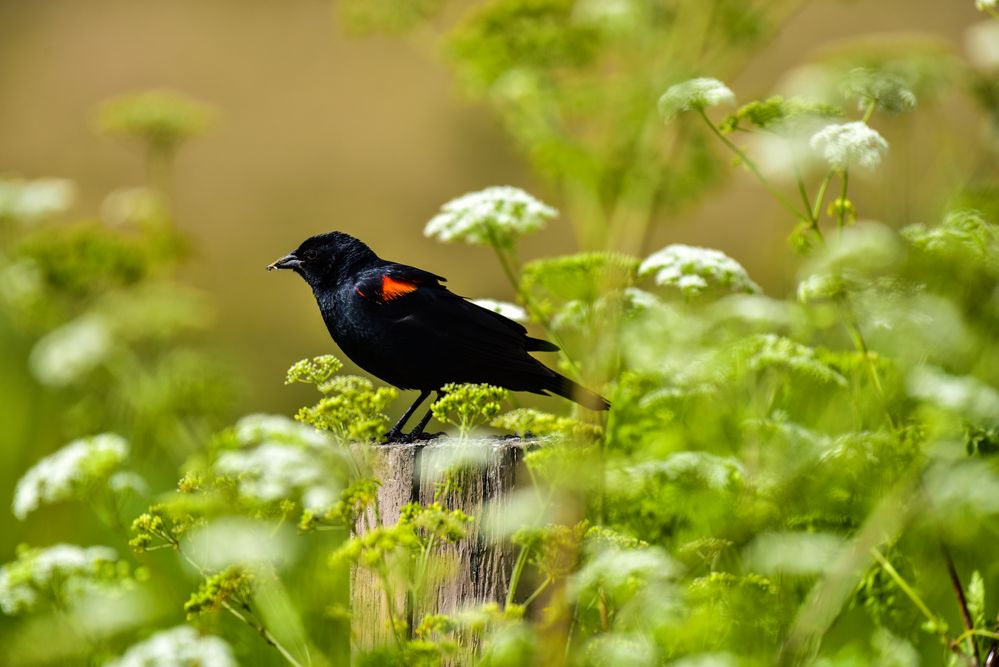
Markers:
point(322, 130)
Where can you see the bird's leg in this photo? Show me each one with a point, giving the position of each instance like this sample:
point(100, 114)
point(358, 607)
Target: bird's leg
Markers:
point(417, 432)
point(396, 431)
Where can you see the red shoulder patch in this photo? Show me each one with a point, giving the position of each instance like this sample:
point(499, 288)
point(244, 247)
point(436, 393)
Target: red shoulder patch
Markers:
point(393, 289)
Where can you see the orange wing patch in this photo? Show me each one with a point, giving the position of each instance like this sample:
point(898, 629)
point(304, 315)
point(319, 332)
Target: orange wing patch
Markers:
point(393, 289)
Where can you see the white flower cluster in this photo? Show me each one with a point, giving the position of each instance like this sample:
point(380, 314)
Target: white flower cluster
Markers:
point(181, 646)
point(494, 216)
point(508, 310)
point(64, 474)
point(718, 472)
point(843, 145)
point(256, 428)
point(273, 471)
point(31, 201)
point(981, 41)
point(30, 579)
point(694, 94)
point(693, 270)
point(965, 395)
point(66, 354)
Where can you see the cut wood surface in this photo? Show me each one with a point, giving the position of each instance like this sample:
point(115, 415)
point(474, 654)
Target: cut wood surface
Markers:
point(481, 563)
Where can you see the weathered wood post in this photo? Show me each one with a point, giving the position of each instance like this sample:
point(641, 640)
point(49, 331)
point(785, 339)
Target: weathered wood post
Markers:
point(481, 562)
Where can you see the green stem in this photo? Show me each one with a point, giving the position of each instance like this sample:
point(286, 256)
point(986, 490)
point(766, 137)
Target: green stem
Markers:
point(518, 570)
point(841, 218)
point(754, 169)
point(857, 336)
point(962, 603)
point(910, 593)
point(532, 308)
point(538, 591)
point(245, 618)
point(820, 199)
point(871, 106)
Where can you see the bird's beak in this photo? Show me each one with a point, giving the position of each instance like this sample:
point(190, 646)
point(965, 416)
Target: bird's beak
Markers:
point(289, 261)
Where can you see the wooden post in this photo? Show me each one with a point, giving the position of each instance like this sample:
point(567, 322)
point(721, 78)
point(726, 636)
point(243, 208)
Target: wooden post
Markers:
point(481, 562)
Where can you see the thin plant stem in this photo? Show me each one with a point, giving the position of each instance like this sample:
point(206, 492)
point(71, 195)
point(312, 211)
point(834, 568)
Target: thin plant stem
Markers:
point(518, 570)
point(820, 199)
point(263, 632)
point(962, 603)
point(538, 591)
point(746, 160)
point(532, 307)
point(841, 219)
point(259, 627)
point(910, 593)
point(973, 632)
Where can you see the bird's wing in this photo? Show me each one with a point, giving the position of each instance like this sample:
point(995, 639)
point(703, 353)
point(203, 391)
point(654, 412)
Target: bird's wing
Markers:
point(417, 298)
point(393, 281)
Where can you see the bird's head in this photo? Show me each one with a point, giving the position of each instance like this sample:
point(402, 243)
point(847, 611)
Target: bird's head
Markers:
point(325, 258)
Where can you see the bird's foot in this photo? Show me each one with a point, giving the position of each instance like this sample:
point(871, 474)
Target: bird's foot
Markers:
point(398, 437)
point(422, 436)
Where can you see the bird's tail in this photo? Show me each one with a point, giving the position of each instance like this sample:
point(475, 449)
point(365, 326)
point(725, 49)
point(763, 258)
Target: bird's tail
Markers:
point(566, 388)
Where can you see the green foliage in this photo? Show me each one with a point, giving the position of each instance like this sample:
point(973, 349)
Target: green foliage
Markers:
point(775, 113)
point(160, 120)
point(233, 585)
point(527, 421)
point(351, 409)
point(779, 481)
point(466, 406)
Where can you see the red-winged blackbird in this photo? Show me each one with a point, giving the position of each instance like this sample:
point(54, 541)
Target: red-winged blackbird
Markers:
point(402, 325)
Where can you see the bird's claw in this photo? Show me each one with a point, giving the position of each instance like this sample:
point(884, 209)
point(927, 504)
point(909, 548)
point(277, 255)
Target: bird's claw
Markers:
point(398, 437)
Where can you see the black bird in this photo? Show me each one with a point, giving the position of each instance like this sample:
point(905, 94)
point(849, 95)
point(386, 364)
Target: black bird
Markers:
point(402, 325)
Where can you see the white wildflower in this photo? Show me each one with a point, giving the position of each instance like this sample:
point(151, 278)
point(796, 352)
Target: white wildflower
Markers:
point(66, 354)
point(31, 201)
point(693, 270)
point(981, 41)
point(707, 660)
point(494, 216)
point(182, 646)
point(274, 471)
point(820, 287)
point(21, 282)
point(615, 569)
point(69, 471)
point(609, 15)
point(257, 428)
point(506, 309)
point(887, 90)
point(986, 5)
point(639, 299)
point(793, 552)
point(964, 394)
point(694, 94)
point(65, 571)
point(843, 145)
point(717, 472)
point(616, 648)
point(238, 540)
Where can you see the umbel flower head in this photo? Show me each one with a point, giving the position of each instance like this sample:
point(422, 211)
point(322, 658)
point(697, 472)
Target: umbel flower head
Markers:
point(694, 94)
point(61, 572)
point(506, 309)
point(494, 216)
point(182, 645)
point(31, 201)
point(69, 472)
point(694, 270)
point(847, 144)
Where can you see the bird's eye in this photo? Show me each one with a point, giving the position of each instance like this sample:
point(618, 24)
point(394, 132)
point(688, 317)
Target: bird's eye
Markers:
point(311, 254)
